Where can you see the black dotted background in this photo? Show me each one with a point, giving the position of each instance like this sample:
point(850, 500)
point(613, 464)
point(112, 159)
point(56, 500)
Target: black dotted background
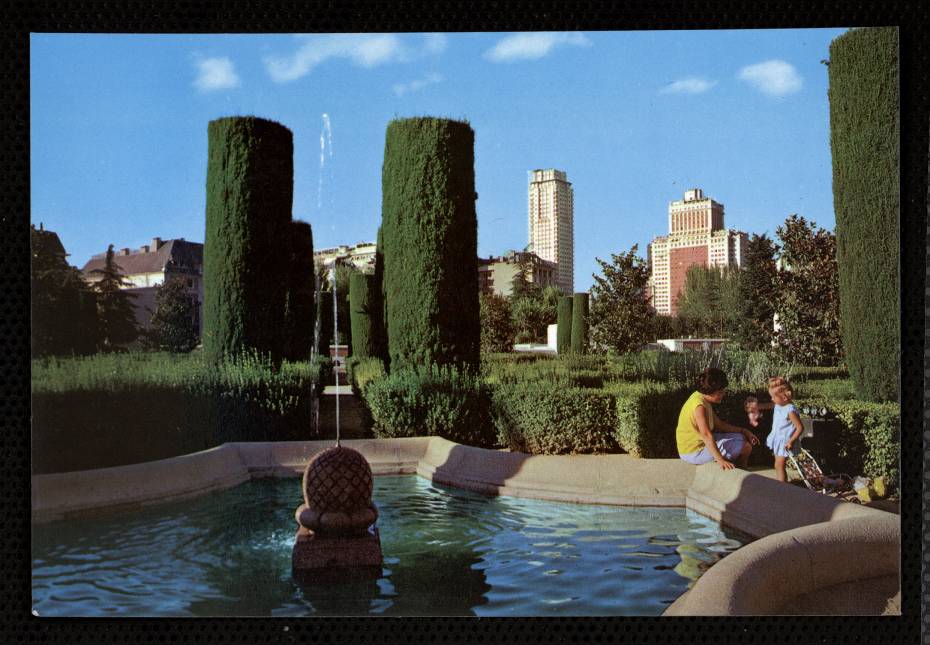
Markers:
point(18, 19)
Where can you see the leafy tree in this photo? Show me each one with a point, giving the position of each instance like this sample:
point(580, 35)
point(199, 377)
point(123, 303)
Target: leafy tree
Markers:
point(115, 309)
point(621, 317)
point(756, 295)
point(710, 300)
point(173, 326)
point(497, 331)
point(806, 295)
point(64, 318)
point(531, 317)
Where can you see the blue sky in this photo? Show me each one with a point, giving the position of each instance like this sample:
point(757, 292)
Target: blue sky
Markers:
point(119, 127)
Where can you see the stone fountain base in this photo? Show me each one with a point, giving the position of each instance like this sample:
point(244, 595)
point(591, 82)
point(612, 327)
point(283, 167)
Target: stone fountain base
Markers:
point(312, 551)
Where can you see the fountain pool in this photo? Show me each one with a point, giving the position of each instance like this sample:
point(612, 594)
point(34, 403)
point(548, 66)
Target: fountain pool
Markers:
point(446, 552)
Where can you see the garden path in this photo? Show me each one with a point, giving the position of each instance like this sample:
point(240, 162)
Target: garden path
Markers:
point(351, 412)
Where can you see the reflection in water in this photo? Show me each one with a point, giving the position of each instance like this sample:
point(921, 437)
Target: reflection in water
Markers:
point(446, 552)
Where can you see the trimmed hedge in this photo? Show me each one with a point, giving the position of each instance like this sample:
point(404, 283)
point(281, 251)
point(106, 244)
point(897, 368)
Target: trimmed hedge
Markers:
point(361, 290)
point(250, 183)
point(864, 134)
point(300, 305)
point(430, 401)
point(361, 371)
point(540, 419)
point(646, 415)
point(324, 316)
point(580, 323)
point(564, 322)
point(430, 234)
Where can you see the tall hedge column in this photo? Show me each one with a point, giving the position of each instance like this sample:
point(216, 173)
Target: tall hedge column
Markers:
point(864, 129)
point(564, 322)
point(580, 323)
point(250, 183)
point(300, 305)
point(361, 292)
point(430, 235)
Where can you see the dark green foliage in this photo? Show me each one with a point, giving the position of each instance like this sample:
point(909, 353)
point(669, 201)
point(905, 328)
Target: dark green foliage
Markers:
point(361, 289)
point(379, 305)
point(541, 419)
point(299, 300)
point(674, 327)
point(64, 313)
point(430, 237)
point(646, 417)
point(250, 183)
point(496, 324)
point(580, 323)
point(807, 295)
point(361, 371)
point(710, 300)
point(116, 318)
point(757, 293)
point(324, 316)
point(117, 409)
point(173, 327)
point(621, 316)
point(430, 400)
point(864, 135)
point(564, 321)
point(344, 272)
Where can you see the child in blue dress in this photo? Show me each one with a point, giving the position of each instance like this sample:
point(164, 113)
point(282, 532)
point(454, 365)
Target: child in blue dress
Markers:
point(786, 425)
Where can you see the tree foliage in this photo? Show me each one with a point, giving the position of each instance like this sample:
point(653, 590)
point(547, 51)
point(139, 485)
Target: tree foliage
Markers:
point(564, 320)
point(116, 318)
point(806, 295)
point(497, 331)
point(534, 311)
point(621, 318)
point(299, 302)
point(757, 295)
point(173, 327)
point(362, 313)
point(710, 300)
point(864, 142)
point(580, 323)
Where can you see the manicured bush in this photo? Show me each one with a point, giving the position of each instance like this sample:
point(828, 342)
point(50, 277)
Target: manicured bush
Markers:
point(299, 301)
point(324, 314)
point(430, 236)
point(250, 182)
point(361, 288)
point(646, 416)
point(540, 419)
point(431, 400)
point(117, 409)
point(379, 304)
point(580, 323)
point(361, 371)
point(564, 329)
point(864, 135)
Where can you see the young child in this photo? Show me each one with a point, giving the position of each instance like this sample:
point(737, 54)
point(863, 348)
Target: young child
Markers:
point(786, 424)
point(751, 406)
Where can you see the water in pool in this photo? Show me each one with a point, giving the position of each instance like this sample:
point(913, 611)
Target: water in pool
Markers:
point(446, 552)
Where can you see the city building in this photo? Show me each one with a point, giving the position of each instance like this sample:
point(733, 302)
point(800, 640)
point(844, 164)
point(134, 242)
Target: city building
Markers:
point(361, 256)
point(551, 223)
point(496, 274)
point(696, 236)
point(150, 266)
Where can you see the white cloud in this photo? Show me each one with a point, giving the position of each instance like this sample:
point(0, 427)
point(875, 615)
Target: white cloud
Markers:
point(533, 45)
point(403, 88)
point(215, 74)
point(364, 50)
point(772, 77)
point(692, 85)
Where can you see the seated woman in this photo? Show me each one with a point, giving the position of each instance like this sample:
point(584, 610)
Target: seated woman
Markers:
point(702, 436)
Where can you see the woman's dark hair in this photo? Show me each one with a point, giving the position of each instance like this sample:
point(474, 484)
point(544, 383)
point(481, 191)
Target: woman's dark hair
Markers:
point(711, 380)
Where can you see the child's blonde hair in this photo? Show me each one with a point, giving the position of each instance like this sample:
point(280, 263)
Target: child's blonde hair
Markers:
point(780, 385)
point(749, 401)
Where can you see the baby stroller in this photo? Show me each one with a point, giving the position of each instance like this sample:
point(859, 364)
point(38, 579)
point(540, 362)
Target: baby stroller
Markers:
point(811, 474)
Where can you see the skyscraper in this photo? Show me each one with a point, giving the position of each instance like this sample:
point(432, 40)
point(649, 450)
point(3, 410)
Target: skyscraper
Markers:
point(696, 235)
point(551, 223)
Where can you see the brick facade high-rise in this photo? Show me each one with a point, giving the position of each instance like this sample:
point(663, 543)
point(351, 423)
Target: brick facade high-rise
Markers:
point(696, 235)
point(551, 223)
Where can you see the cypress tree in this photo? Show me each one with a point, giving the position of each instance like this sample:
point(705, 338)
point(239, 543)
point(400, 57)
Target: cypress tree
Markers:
point(430, 236)
point(250, 184)
point(300, 308)
point(379, 305)
point(564, 333)
point(361, 289)
point(115, 310)
point(580, 323)
point(324, 312)
point(864, 132)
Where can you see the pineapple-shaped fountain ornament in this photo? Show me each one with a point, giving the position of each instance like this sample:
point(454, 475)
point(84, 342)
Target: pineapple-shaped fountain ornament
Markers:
point(337, 537)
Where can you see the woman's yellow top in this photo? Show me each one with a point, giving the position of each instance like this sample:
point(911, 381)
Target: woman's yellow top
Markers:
point(686, 435)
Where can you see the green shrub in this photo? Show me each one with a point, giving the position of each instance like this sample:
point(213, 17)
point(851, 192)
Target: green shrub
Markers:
point(361, 289)
point(540, 419)
point(564, 325)
point(424, 401)
point(826, 390)
point(646, 417)
point(116, 409)
point(864, 142)
point(430, 235)
point(361, 371)
point(496, 324)
point(299, 304)
point(580, 323)
point(250, 178)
